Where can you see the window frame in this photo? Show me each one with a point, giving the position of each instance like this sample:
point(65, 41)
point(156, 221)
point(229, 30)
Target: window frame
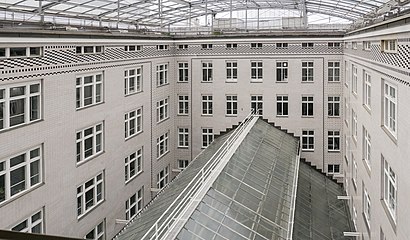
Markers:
point(183, 72)
point(82, 189)
point(306, 138)
point(389, 191)
point(207, 105)
point(282, 71)
point(333, 106)
point(162, 110)
point(283, 104)
point(257, 104)
point(231, 105)
point(390, 99)
point(136, 204)
point(162, 74)
point(308, 106)
point(31, 223)
point(333, 71)
point(81, 141)
point(96, 85)
point(134, 79)
point(333, 140)
point(308, 71)
point(367, 89)
point(231, 71)
point(367, 146)
point(135, 159)
point(207, 136)
point(135, 117)
point(183, 137)
point(97, 233)
point(162, 145)
point(183, 105)
point(162, 181)
point(207, 71)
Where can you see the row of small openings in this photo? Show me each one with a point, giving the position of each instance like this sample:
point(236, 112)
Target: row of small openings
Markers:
point(133, 48)
point(308, 45)
point(21, 52)
point(386, 45)
point(89, 49)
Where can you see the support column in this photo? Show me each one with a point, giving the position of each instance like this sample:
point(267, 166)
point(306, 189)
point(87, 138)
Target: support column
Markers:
point(40, 11)
point(118, 14)
point(304, 14)
point(206, 13)
point(257, 21)
point(246, 15)
point(230, 14)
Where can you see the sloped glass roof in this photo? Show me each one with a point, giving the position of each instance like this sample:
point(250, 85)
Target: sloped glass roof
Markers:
point(165, 12)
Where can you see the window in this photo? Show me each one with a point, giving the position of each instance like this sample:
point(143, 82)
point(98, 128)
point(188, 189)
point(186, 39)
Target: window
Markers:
point(354, 217)
point(333, 106)
point(333, 71)
point(231, 71)
point(256, 45)
point(281, 71)
point(231, 46)
point(33, 224)
point(133, 205)
point(307, 71)
point(207, 105)
point(89, 142)
point(367, 146)
point(21, 52)
point(231, 105)
point(183, 137)
point(390, 107)
point(346, 111)
point(90, 194)
point(162, 110)
point(206, 71)
point(308, 45)
point(333, 168)
point(162, 47)
point(367, 45)
point(207, 137)
point(334, 45)
point(162, 178)
point(354, 171)
point(20, 104)
point(206, 46)
point(307, 106)
point(183, 104)
point(333, 141)
point(389, 46)
point(282, 105)
point(346, 74)
point(389, 188)
point(256, 70)
point(132, 80)
point(133, 48)
point(133, 123)
point(133, 164)
point(89, 90)
point(308, 140)
point(257, 104)
point(162, 74)
point(162, 145)
point(366, 207)
point(183, 46)
point(2, 52)
point(282, 45)
point(367, 90)
point(182, 164)
point(97, 233)
point(354, 79)
point(354, 45)
point(347, 149)
point(354, 125)
point(182, 72)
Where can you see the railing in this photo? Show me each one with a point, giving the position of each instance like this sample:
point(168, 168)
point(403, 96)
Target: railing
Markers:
point(200, 183)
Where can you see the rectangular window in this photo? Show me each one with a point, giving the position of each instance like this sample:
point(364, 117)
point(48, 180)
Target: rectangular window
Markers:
point(134, 205)
point(33, 224)
point(308, 45)
point(20, 104)
point(207, 103)
point(183, 72)
point(367, 146)
point(90, 194)
point(282, 105)
point(308, 140)
point(183, 104)
point(97, 233)
point(307, 71)
point(183, 46)
point(162, 145)
point(334, 45)
point(163, 178)
point(347, 149)
point(333, 71)
point(333, 168)
point(231, 46)
point(257, 104)
point(354, 171)
point(282, 45)
point(133, 164)
point(390, 108)
point(389, 46)
point(206, 46)
point(133, 48)
point(133, 123)
point(256, 70)
point(354, 125)
point(346, 112)
point(18, 51)
point(389, 183)
point(207, 72)
point(182, 164)
point(354, 79)
point(281, 71)
point(183, 137)
point(2, 52)
point(89, 49)
point(132, 80)
point(307, 106)
point(333, 106)
point(256, 45)
point(366, 207)
point(162, 47)
point(207, 137)
point(89, 90)
point(367, 45)
point(89, 142)
point(231, 71)
point(333, 141)
point(162, 74)
point(347, 75)
point(162, 110)
point(231, 105)
point(367, 90)
point(354, 219)
point(354, 45)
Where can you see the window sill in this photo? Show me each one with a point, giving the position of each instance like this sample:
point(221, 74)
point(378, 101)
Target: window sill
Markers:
point(308, 150)
point(206, 81)
point(89, 106)
point(20, 126)
point(367, 108)
point(185, 114)
point(162, 120)
point(366, 223)
point(389, 215)
point(347, 123)
point(334, 117)
point(21, 194)
point(163, 155)
point(282, 116)
point(89, 210)
point(307, 82)
point(134, 135)
point(89, 159)
point(347, 160)
point(333, 151)
point(183, 81)
point(133, 177)
point(231, 115)
point(183, 147)
point(207, 115)
point(231, 81)
point(354, 184)
point(308, 116)
point(281, 81)
point(256, 80)
point(390, 134)
point(163, 85)
point(333, 82)
point(367, 167)
point(133, 93)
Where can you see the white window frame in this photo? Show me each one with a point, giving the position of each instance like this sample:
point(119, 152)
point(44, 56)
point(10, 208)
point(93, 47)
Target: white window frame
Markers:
point(307, 71)
point(282, 103)
point(134, 204)
point(367, 89)
point(183, 71)
point(231, 105)
point(31, 113)
point(96, 85)
point(96, 188)
point(207, 137)
point(162, 145)
point(367, 45)
point(256, 71)
point(308, 45)
point(95, 49)
point(162, 74)
point(333, 168)
point(231, 46)
point(207, 105)
point(308, 140)
point(354, 79)
point(333, 140)
point(133, 164)
point(354, 171)
point(231, 71)
point(282, 45)
point(366, 207)
point(206, 46)
point(257, 104)
point(346, 112)
point(133, 48)
point(333, 106)
point(183, 137)
point(282, 71)
point(256, 45)
point(367, 145)
point(7, 52)
point(163, 178)
point(162, 47)
point(389, 181)
point(308, 106)
point(354, 45)
point(133, 123)
point(182, 46)
point(354, 125)
point(97, 140)
point(98, 232)
point(389, 45)
point(162, 110)
point(183, 105)
point(333, 71)
point(207, 71)
point(30, 224)
point(334, 45)
point(182, 164)
point(132, 80)
point(390, 107)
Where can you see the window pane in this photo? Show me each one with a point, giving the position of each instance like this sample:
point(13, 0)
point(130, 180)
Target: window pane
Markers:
point(2, 115)
point(88, 149)
point(89, 199)
point(17, 52)
point(16, 112)
point(34, 108)
point(17, 180)
point(2, 188)
point(34, 173)
point(17, 91)
point(17, 160)
point(88, 95)
point(20, 227)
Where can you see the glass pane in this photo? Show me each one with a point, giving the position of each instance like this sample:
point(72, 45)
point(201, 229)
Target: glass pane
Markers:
point(88, 148)
point(90, 235)
point(36, 217)
point(34, 173)
point(17, 160)
point(34, 108)
point(2, 115)
point(37, 228)
point(2, 52)
point(35, 51)
point(17, 180)
point(34, 88)
point(88, 49)
point(20, 227)
point(17, 91)
point(2, 188)
point(17, 52)
point(89, 199)
point(34, 153)
point(17, 112)
point(88, 95)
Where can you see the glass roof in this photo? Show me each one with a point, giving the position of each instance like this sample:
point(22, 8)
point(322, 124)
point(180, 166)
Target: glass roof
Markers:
point(161, 13)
